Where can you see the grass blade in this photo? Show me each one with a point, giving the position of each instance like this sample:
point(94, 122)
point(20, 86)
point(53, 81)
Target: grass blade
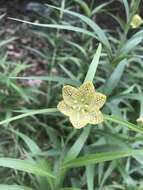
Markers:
point(126, 5)
point(58, 26)
point(78, 145)
point(69, 188)
point(61, 80)
point(30, 113)
point(14, 187)
point(115, 77)
point(90, 177)
point(5, 42)
point(25, 166)
point(101, 157)
point(124, 123)
point(97, 30)
point(28, 141)
point(93, 66)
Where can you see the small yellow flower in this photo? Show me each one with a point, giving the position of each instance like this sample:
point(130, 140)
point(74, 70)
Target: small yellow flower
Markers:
point(136, 21)
point(82, 105)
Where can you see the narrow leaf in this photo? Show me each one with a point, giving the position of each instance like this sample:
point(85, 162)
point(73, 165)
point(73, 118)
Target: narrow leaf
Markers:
point(90, 176)
point(78, 145)
point(69, 188)
point(58, 26)
point(30, 113)
point(101, 157)
point(14, 187)
point(126, 5)
point(93, 66)
point(24, 165)
point(30, 143)
point(131, 126)
point(61, 80)
point(115, 77)
point(97, 30)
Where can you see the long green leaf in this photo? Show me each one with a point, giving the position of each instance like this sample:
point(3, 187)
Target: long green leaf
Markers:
point(124, 123)
point(101, 157)
point(93, 66)
point(61, 80)
point(24, 165)
point(4, 42)
point(58, 26)
point(78, 145)
point(90, 176)
point(100, 7)
point(30, 113)
point(69, 188)
point(97, 30)
point(126, 5)
point(132, 43)
point(14, 187)
point(30, 143)
point(114, 78)
point(84, 6)
point(131, 96)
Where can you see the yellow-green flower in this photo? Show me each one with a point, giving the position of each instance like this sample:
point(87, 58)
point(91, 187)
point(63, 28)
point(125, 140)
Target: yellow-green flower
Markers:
point(82, 105)
point(140, 120)
point(136, 21)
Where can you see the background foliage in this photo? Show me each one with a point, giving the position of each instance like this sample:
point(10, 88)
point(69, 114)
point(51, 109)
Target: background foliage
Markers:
point(46, 47)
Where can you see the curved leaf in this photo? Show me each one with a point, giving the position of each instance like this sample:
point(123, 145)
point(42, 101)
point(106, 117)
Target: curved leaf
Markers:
point(100, 157)
point(131, 126)
point(24, 165)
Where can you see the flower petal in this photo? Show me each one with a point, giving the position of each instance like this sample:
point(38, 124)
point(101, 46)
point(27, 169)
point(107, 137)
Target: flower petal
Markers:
point(69, 94)
point(64, 108)
point(136, 21)
point(97, 102)
point(95, 117)
point(78, 120)
point(87, 91)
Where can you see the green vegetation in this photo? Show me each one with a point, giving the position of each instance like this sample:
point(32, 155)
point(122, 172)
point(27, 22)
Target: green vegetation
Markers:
point(39, 147)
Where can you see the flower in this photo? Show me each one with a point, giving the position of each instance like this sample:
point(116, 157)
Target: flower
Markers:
point(136, 21)
point(140, 120)
point(82, 105)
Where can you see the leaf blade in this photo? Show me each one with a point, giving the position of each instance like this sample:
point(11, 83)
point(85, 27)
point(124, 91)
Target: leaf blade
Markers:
point(25, 166)
point(100, 157)
point(93, 66)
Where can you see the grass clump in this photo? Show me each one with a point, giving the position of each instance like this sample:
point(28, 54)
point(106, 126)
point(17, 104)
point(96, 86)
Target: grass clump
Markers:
point(76, 42)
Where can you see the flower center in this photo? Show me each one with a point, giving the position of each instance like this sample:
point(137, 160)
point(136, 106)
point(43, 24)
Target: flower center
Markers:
point(80, 105)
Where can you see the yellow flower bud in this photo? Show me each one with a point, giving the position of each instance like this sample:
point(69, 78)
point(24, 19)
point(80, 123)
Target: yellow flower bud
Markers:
point(140, 120)
point(136, 21)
